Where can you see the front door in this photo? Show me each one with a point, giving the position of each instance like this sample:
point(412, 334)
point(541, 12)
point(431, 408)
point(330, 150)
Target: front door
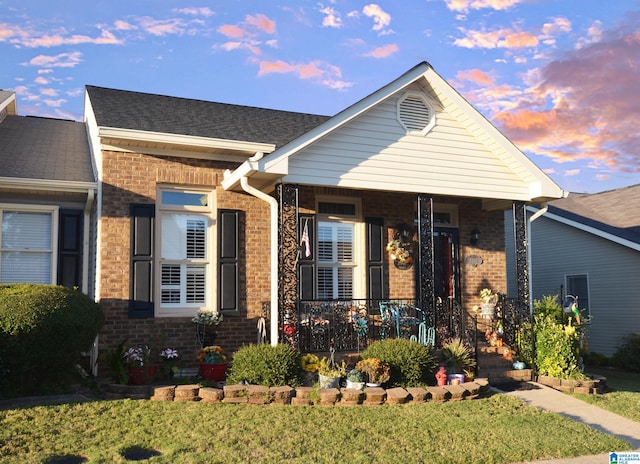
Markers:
point(446, 263)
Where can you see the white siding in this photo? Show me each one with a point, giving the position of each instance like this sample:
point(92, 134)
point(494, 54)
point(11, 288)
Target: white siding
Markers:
point(373, 151)
point(614, 281)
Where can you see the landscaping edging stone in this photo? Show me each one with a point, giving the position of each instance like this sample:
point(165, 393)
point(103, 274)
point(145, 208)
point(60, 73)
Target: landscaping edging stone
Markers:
point(299, 396)
point(596, 385)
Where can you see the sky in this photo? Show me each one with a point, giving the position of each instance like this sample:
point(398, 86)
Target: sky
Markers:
point(560, 78)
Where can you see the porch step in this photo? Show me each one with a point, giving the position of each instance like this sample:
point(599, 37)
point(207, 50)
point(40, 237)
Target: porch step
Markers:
point(496, 364)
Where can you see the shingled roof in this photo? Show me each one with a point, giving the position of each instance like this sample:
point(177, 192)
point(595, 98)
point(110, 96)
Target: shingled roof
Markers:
point(42, 148)
point(616, 212)
point(138, 111)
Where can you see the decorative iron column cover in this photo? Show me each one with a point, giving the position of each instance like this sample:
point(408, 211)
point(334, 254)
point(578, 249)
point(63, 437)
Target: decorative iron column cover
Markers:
point(521, 255)
point(426, 294)
point(287, 263)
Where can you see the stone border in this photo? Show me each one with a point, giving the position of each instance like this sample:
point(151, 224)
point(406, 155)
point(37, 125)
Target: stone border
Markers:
point(300, 396)
point(594, 386)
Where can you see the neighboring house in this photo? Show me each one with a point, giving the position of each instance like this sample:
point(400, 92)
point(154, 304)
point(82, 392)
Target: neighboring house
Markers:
point(47, 192)
point(588, 245)
point(205, 204)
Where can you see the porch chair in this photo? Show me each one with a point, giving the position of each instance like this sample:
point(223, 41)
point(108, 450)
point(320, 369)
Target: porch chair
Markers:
point(405, 317)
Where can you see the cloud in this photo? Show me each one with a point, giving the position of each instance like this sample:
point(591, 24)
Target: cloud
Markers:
point(383, 52)
point(477, 76)
point(202, 11)
point(500, 38)
point(62, 60)
point(162, 27)
point(320, 72)
point(466, 5)
point(246, 32)
point(381, 19)
point(332, 17)
point(20, 37)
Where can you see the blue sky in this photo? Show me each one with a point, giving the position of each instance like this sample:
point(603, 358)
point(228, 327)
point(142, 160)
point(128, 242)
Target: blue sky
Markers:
point(560, 78)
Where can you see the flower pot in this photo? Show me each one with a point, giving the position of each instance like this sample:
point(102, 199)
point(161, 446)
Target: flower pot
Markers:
point(487, 310)
point(328, 382)
point(213, 372)
point(141, 375)
point(355, 385)
point(455, 379)
point(373, 384)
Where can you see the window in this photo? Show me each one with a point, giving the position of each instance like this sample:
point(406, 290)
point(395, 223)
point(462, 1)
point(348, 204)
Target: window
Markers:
point(185, 251)
point(26, 244)
point(578, 286)
point(337, 255)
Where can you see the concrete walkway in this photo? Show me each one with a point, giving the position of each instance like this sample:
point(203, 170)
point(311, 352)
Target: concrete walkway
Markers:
point(607, 422)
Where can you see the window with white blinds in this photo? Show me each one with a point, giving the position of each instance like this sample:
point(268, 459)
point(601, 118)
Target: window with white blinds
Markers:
point(185, 260)
point(26, 246)
point(336, 260)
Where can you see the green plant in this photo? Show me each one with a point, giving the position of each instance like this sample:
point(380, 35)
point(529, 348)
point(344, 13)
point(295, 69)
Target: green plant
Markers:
point(548, 306)
point(309, 362)
point(116, 363)
point(412, 363)
point(45, 326)
point(377, 371)
point(207, 317)
point(457, 356)
point(627, 356)
point(557, 349)
point(329, 368)
point(212, 355)
point(264, 364)
point(355, 375)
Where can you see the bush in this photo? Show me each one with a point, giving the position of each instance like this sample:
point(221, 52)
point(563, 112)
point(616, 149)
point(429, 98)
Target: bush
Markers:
point(549, 306)
point(263, 364)
point(411, 362)
point(43, 331)
point(557, 349)
point(627, 356)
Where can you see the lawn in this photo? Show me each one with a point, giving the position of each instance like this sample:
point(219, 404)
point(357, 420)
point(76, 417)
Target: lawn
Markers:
point(498, 429)
point(624, 399)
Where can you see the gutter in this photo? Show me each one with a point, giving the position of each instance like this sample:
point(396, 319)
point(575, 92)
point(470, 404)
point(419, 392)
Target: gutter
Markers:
point(273, 203)
point(535, 216)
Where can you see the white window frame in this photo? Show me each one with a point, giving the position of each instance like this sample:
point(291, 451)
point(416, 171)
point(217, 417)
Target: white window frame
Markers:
point(207, 211)
point(357, 264)
point(569, 292)
point(53, 211)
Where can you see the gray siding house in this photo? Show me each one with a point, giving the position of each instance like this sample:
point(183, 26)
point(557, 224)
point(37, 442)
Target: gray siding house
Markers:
point(588, 245)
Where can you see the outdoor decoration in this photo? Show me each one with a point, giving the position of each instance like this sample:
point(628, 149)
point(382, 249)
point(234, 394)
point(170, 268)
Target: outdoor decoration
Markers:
point(488, 303)
point(213, 363)
point(401, 248)
point(376, 370)
point(205, 321)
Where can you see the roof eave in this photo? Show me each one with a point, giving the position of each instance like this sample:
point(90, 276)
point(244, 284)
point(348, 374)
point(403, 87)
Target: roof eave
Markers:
point(68, 186)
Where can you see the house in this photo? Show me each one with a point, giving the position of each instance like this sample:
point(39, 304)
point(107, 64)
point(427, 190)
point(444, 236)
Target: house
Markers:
point(285, 216)
point(588, 246)
point(47, 193)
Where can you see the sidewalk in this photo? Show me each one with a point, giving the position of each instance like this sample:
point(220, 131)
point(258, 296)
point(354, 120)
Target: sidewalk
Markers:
point(607, 422)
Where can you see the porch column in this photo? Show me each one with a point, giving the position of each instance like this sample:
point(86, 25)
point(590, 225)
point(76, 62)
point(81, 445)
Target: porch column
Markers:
point(521, 255)
point(288, 250)
point(426, 294)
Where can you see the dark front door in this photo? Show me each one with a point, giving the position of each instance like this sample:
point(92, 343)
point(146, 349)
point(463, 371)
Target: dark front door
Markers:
point(446, 263)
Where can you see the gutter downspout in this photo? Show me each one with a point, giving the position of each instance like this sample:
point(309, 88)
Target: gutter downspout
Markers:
point(273, 203)
point(91, 196)
point(535, 216)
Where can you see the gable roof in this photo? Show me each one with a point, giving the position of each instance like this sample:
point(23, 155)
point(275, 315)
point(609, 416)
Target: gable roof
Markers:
point(46, 151)
point(614, 214)
point(8, 105)
point(508, 174)
point(138, 112)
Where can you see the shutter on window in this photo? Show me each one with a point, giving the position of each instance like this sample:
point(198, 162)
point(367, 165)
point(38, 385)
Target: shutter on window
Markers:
point(141, 286)
point(307, 264)
point(69, 247)
point(375, 258)
point(228, 259)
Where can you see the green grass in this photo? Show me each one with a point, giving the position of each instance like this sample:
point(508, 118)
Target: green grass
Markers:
point(624, 399)
point(497, 429)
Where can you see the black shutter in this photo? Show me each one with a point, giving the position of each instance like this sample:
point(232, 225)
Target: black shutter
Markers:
point(375, 258)
point(228, 259)
point(141, 282)
point(69, 247)
point(307, 264)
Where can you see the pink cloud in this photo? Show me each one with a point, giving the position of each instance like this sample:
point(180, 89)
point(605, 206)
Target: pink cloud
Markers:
point(466, 5)
point(262, 22)
point(500, 38)
point(231, 31)
point(476, 76)
point(321, 72)
point(162, 27)
point(246, 32)
point(202, 11)
point(381, 18)
point(63, 60)
point(383, 52)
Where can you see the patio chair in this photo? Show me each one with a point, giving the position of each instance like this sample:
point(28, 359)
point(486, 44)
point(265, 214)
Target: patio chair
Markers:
point(404, 317)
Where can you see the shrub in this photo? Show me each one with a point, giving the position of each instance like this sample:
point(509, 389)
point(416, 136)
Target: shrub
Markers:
point(557, 349)
point(457, 356)
point(263, 364)
point(411, 362)
point(43, 331)
point(548, 306)
point(627, 356)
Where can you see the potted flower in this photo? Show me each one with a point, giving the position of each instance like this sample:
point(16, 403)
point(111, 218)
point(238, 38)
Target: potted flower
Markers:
point(377, 371)
point(169, 357)
point(457, 357)
point(330, 373)
point(355, 379)
point(309, 364)
point(213, 363)
point(205, 321)
point(140, 367)
point(488, 302)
